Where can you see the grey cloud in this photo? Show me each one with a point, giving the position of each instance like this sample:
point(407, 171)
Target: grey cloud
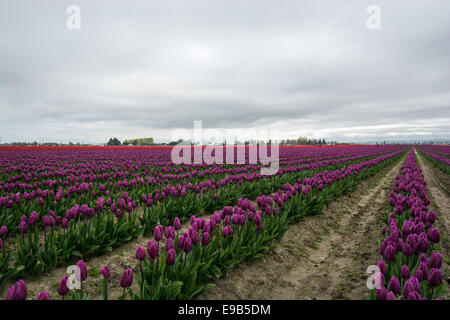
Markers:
point(147, 67)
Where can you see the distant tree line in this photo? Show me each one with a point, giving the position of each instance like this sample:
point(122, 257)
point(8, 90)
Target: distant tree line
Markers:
point(303, 141)
point(140, 142)
point(44, 144)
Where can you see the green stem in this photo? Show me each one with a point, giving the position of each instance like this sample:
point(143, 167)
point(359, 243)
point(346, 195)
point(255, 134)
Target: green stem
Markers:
point(105, 289)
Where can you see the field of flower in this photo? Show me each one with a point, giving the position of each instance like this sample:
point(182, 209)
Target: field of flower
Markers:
point(64, 207)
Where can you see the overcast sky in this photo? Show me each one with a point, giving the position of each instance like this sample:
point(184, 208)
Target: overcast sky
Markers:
point(145, 68)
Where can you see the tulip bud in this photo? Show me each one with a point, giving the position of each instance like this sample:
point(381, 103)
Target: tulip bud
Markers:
point(435, 277)
point(62, 288)
point(205, 238)
point(177, 223)
point(394, 285)
point(187, 246)
point(23, 227)
point(390, 296)
point(18, 291)
point(389, 253)
point(140, 253)
point(169, 244)
point(170, 258)
point(194, 237)
point(106, 272)
point(418, 274)
point(127, 278)
point(382, 265)
point(3, 231)
point(43, 296)
point(83, 270)
point(405, 273)
point(381, 293)
point(157, 234)
point(433, 235)
point(153, 250)
point(436, 260)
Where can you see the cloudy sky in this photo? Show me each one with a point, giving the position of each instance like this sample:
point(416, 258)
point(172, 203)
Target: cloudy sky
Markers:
point(144, 68)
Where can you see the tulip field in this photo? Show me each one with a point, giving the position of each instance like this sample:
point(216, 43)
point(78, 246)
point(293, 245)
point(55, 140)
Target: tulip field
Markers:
point(198, 222)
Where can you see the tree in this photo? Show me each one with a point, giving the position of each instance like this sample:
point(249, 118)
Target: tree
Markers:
point(113, 142)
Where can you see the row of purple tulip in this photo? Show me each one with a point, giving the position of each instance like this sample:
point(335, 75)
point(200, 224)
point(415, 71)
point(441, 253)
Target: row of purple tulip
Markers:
point(410, 267)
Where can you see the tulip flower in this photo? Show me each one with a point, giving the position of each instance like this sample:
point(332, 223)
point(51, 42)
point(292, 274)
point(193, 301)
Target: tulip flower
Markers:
point(435, 277)
point(127, 279)
point(83, 270)
point(405, 273)
point(152, 249)
point(187, 246)
point(389, 253)
point(18, 291)
point(381, 293)
point(394, 285)
point(43, 296)
point(170, 258)
point(157, 234)
point(140, 253)
point(3, 232)
point(106, 274)
point(205, 238)
point(177, 224)
point(436, 260)
point(63, 289)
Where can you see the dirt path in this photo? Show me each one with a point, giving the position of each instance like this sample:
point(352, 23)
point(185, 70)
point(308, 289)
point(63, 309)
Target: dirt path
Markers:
point(321, 257)
point(439, 194)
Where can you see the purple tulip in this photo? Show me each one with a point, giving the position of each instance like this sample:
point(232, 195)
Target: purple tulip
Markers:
point(382, 265)
point(418, 274)
point(23, 227)
point(180, 242)
point(18, 291)
point(177, 224)
point(63, 289)
point(83, 270)
point(169, 244)
point(389, 253)
point(407, 251)
point(106, 272)
point(381, 293)
point(187, 246)
point(194, 237)
point(170, 258)
point(433, 235)
point(153, 250)
point(157, 233)
point(391, 296)
point(127, 278)
point(436, 260)
point(43, 296)
point(405, 273)
point(205, 238)
point(140, 253)
point(435, 277)
point(3, 231)
point(394, 285)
